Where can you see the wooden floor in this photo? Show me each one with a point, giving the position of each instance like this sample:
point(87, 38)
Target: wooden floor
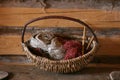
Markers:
point(29, 72)
point(20, 68)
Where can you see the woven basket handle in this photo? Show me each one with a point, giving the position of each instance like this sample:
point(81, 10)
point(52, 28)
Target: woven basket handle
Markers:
point(57, 17)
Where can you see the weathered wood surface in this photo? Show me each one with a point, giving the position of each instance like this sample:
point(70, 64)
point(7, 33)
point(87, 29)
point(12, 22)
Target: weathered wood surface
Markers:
point(23, 60)
point(101, 15)
point(29, 72)
point(94, 17)
point(12, 45)
point(84, 4)
point(12, 21)
point(10, 42)
point(19, 68)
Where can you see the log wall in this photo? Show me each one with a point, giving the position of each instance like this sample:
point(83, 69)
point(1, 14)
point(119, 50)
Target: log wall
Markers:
point(104, 19)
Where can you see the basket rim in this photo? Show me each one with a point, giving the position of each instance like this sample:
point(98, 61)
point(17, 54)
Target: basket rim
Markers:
point(94, 48)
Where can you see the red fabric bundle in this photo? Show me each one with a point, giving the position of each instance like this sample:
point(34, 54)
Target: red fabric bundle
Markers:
point(72, 43)
point(73, 49)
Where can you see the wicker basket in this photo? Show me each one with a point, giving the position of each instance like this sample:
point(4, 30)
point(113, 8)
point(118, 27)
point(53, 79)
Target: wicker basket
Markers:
point(61, 66)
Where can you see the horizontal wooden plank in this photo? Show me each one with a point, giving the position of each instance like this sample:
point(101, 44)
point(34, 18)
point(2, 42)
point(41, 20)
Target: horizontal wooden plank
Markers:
point(94, 17)
point(66, 30)
point(109, 45)
point(86, 4)
point(22, 59)
point(17, 10)
point(11, 45)
point(91, 65)
point(30, 72)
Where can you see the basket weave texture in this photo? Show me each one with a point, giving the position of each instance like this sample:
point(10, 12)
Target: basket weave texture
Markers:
point(60, 66)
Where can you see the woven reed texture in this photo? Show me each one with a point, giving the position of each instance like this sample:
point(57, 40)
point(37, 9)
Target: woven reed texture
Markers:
point(62, 66)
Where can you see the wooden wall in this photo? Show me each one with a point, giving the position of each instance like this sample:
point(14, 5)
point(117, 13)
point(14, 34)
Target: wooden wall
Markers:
point(105, 22)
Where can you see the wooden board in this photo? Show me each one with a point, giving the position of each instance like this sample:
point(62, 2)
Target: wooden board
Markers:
point(97, 19)
point(94, 17)
point(29, 72)
point(11, 45)
point(22, 59)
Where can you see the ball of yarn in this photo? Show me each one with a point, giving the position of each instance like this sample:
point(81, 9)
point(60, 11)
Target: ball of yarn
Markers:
point(55, 49)
point(38, 44)
point(71, 53)
point(72, 43)
point(73, 49)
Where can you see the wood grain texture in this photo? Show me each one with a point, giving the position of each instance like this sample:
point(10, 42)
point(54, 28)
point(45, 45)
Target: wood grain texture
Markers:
point(109, 45)
point(22, 59)
point(99, 4)
point(29, 72)
point(11, 45)
point(98, 19)
point(94, 17)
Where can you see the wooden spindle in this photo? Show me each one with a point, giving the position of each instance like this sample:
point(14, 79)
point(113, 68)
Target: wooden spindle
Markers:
point(89, 43)
point(83, 40)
